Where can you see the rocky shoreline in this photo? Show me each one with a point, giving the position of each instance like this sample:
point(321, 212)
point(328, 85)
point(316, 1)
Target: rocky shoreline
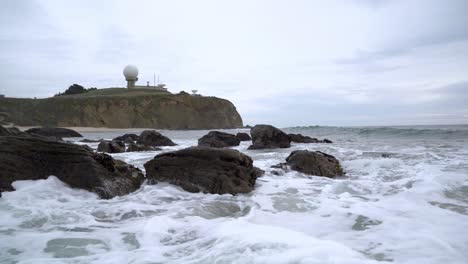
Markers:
point(210, 167)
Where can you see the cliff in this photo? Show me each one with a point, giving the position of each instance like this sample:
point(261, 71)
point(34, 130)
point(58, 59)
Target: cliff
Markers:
point(122, 108)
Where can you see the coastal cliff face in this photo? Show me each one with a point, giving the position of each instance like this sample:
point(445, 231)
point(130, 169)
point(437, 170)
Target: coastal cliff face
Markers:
point(122, 109)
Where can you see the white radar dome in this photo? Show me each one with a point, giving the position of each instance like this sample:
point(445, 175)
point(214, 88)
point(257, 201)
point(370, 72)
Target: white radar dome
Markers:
point(130, 72)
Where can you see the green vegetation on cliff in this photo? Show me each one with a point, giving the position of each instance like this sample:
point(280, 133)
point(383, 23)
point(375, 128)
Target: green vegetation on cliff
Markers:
point(123, 108)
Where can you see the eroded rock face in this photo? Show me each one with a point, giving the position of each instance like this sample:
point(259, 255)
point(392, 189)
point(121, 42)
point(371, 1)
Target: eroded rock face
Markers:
point(53, 132)
point(202, 169)
point(266, 137)
point(132, 147)
point(243, 136)
point(28, 158)
point(217, 139)
point(153, 138)
point(127, 138)
point(114, 146)
point(314, 163)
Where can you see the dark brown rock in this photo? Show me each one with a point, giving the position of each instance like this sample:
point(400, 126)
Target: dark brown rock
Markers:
point(243, 136)
point(153, 138)
point(217, 139)
point(53, 132)
point(127, 138)
point(114, 146)
point(314, 163)
point(28, 158)
point(132, 147)
point(266, 136)
point(202, 169)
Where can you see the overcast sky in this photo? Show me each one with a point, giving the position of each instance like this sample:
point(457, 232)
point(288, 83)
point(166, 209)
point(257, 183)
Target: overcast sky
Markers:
point(286, 63)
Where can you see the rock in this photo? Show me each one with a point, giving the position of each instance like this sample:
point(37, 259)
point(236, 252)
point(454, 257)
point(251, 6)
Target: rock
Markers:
point(28, 158)
point(91, 140)
point(298, 138)
point(217, 139)
point(243, 136)
point(53, 132)
point(13, 131)
point(327, 141)
point(153, 138)
point(202, 169)
point(127, 138)
point(4, 131)
point(314, 163)
point(114, 146)
point(266, 136)
point(132, 147)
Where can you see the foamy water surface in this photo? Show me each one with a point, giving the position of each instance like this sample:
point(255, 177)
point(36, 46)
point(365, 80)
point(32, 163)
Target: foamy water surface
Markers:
point(404, 200)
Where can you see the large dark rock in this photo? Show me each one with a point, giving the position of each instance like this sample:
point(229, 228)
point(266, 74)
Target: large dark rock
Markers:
point(27, 158)
point(299, 138)
point(132, 147)
point(13, 131)
point(114, 146)
point(53, 132)
point(217, 139)
point(202, 169)
point(153, 138)
point(127, 138)
point(266, 136)
point(314, 163)
point(243, 136)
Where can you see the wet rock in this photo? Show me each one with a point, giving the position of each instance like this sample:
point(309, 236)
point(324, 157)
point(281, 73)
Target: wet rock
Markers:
point(153, 138)
point(132, 147)
point(27, 158)
point(266, 136)
point(299, 138)
point(243, 136)
point(13, 131)
point(53, 132)
point(114, 146)
point(91, 140)
point(314, 163)
point(127, 138)
point(217, 139)
point(202, 169)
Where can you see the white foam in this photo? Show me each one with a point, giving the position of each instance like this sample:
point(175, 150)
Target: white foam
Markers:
point(392, 208)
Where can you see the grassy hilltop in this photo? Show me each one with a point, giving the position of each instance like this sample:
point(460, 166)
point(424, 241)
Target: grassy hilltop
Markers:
point(123, 108)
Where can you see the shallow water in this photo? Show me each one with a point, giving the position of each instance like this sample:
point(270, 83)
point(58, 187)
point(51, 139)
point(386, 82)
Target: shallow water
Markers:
point(404, 200)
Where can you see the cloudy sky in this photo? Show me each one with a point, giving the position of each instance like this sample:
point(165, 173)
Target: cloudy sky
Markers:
point(287, 63)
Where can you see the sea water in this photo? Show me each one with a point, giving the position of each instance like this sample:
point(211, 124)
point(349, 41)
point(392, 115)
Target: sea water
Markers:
point(404, 200)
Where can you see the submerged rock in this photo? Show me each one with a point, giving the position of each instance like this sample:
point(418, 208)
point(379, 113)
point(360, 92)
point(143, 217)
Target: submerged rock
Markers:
point(202, 169)
point(114, 146)
point(153, 138)
point(127, 138)
point(28, 158)
point(54, 132)
point(266, 136)
point(132, 147)
point(243, 136)
point(217, 139)
point(299, 138)
point(314, 163)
